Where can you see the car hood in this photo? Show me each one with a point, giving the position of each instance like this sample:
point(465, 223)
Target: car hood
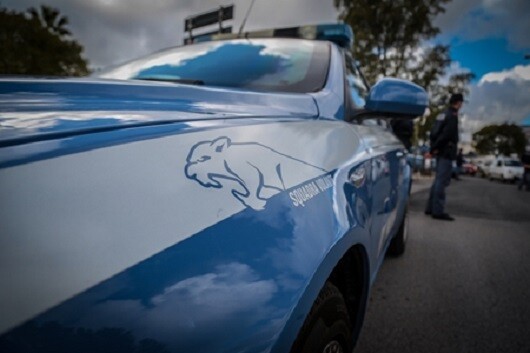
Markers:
point(39, 108)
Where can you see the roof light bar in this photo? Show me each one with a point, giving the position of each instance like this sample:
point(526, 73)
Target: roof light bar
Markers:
point(340, 34)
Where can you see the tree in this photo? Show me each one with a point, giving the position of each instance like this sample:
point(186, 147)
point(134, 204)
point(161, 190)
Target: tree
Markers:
point(391, 40)
point(38, 43)
point(49, 18)
point(388, 34)
point(503, 139)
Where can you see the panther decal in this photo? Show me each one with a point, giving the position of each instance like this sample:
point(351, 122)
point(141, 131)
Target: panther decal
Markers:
point(253, 172)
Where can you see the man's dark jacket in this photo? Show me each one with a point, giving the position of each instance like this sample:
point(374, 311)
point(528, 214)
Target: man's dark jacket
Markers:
point(526, 160)
point(447, 141)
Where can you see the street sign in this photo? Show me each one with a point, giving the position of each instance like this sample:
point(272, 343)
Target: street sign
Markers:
point(224, 13)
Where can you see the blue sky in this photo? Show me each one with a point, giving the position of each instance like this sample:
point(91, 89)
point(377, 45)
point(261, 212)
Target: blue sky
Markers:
point(490, 38)
point(487, 37)
point(486, 55)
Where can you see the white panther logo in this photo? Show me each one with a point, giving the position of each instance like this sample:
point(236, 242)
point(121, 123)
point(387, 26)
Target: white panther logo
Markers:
point(254, 172)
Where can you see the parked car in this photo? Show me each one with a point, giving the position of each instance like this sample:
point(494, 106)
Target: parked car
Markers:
point(470, 168)
point(220, 197)
point(506, 169)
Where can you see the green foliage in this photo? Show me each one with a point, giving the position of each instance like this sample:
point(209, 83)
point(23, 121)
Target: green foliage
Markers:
point(504, 139)
point(388, 34)
point(390, 37)
point(38, 43)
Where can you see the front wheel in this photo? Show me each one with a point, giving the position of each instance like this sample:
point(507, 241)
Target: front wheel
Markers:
point(327, 328)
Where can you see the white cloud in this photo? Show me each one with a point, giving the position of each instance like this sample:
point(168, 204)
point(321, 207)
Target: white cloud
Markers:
point(454, 68)
point(479, 19)
point(518, 73)
point(498, 97)
point(450, 20)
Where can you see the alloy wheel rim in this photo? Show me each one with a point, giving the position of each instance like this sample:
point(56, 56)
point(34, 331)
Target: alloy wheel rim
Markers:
point(333, 347)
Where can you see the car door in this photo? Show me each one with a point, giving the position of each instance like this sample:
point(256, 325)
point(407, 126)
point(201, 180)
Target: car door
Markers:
point(497, 169)
point(386, 177)
point(386, 159)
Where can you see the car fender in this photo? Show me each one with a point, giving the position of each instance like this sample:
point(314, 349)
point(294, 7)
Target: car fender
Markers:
point(142, 231)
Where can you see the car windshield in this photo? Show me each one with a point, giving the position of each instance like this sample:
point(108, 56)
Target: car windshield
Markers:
point(512, 163)
point(278, 65)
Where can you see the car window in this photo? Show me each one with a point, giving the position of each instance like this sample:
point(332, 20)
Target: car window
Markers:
point(499, 163)
point(279, 65)
point(513, 163)
point(354, 83)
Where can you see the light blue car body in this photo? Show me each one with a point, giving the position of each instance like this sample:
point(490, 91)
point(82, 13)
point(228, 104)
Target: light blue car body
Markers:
point(159, 217)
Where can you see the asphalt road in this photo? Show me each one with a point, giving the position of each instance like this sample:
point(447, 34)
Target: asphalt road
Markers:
point(461, 286)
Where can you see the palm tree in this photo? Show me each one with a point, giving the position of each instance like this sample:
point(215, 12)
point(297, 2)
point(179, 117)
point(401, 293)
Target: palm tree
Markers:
point(50, 18)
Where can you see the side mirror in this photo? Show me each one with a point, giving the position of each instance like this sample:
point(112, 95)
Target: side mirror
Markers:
point(397, 97)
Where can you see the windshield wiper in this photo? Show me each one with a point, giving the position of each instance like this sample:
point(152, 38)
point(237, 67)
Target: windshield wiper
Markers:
point(185, 81)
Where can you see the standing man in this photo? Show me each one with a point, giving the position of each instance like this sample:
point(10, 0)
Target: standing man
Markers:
point(525, 180)
point(444, 148)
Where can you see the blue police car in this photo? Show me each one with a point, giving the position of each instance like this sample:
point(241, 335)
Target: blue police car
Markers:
point(227, 196)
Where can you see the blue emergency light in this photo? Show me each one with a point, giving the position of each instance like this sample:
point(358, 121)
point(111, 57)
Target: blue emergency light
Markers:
point(340, 34)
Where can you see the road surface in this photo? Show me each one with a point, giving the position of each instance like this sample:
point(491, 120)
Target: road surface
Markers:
point(461, 286)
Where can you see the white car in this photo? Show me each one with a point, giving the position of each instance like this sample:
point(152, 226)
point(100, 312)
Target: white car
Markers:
point(483, 167)
point(506, 169)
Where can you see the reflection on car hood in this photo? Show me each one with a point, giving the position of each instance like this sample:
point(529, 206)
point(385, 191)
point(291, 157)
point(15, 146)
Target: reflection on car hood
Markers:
point(34, 108)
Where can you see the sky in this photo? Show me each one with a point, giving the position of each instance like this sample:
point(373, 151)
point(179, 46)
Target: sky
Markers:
point(487, 37)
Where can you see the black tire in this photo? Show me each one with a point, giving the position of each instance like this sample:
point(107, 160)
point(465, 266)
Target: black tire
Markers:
point(398, 243)
point(327, 328)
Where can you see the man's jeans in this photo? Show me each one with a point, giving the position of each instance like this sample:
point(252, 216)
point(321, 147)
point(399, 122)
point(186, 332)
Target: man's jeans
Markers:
point(525, 180)
point(436, 203)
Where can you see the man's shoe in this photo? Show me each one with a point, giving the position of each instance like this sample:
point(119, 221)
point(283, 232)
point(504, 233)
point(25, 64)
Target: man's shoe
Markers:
point(443, 217)
point(428, 213)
